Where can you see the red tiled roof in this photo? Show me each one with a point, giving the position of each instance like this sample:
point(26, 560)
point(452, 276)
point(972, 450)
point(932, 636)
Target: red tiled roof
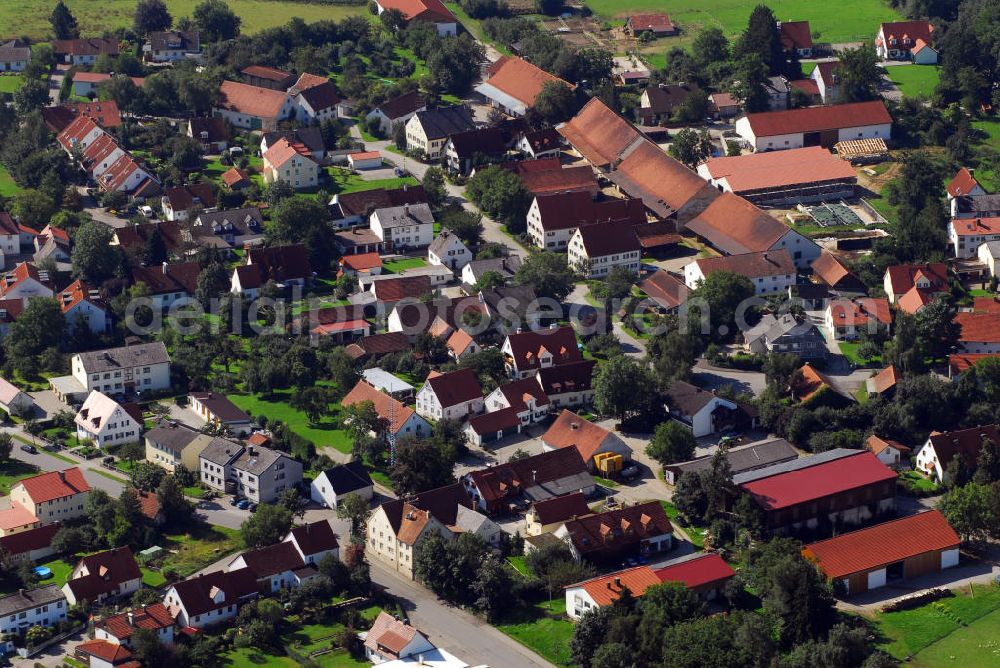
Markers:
point(915, 299)
point(149, 502)
point(978, 327)
point(968, 442)
point(517, 393)
point(86, 46)
point(280, 263)
point(907, 30)
point(152, 617)
point(315, 537)
point(572, 431)
point(55, 485)
point(661, 178)
point(734, 225)
point(962, 184)
point(569, 377)
point(234, 176)
point(618, 528)
point(527, 347)
point(602, 239)
point(777, 169)
point(829, 269)
point(77, 292)
point(169, 278)
point(273, 560)
point(396, 289)
point(885, 379)
point(384, 405)
point(796, 35)
point(265, 72)
point(191, 195)
point(964, 227)
point(456, 387)
point(379, 344)
point(361, 261)
point(7, 225)
point(520, 79)
point(74, 133)
point(698, 572)
point(877, 445)
point(657, 22)
point(251, 100)
point(883, 544)
point(817, 119)
point(961, 362)
point(103, 649)
point(559, 179)
point(598, 133)
point(605, 589)
point(106, 571)
point(388, 633)
point(23, 542)
point(104, 112)
point(561, 508)
point(751, 265)
point(811, 382)
point(860, 311)
point(490, 423)
point(511, 478)
point(565, 210)
point(815, 482)
point(195, 593)
point(421, 10)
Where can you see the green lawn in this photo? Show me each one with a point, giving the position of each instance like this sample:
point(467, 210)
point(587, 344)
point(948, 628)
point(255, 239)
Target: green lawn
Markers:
point(399, 266)
point(544, 628)
point(974, 646)
point(345, 181)
point(190, 552)
point(518, 564)
point(10, 82)
point(11, 472)
point(911, 631)
point(194, 490)
point(152, 579)
point(7, 186)
point(849, 349)
point(276, 406)
point(844, 21)
point(60, 570)
point(251, 658)
point(914, 80)
point(918, 482)
point(985, 175)
point(32, 16)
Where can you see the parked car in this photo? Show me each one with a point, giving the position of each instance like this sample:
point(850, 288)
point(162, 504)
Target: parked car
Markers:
point(243, 504)
point(630, 472)
point(30, 449)
point(252, 507)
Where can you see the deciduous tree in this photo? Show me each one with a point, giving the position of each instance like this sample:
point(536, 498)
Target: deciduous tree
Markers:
point(151, 16)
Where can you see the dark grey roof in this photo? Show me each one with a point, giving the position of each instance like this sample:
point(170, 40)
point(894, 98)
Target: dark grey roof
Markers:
point(796, 465)
point(172, 436)
point(174, 40)
point(237, 221)
point(311, 136)
point(261, 460)
point(409, 214)
point(31, 598)
point(400, 106)
point(516, 300)
point(777, 84)
point(505, 266)
point(113, 359)
point(13, 50)
point(444, 122)
point(745, 457)
point(221, 451)
point(979, 204)
point(688, 399)
point(440, 244)
point(789, 326)
point(348, 478)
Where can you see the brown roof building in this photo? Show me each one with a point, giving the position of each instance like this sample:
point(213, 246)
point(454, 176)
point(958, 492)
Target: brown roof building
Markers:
point(512, 84)
point(614, 535)
point(549, 475)
point(588, 439)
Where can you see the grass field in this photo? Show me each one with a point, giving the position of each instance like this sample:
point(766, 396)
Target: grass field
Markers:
point(399, 266)
point(345, 181)
point(247, 657)
point(943, 627)
point(915, 80)
point(545, 629)
point(986, 176)
point(96, 16)
point(974, 646)
point(11, 472)
point(7, 186)
point(276, 407)
point(193, 551)
point(849, 350)
point(844, 21)
point(10, 83)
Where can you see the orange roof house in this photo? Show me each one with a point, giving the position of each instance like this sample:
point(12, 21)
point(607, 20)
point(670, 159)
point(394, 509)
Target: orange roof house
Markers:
point(512, 84)
point(883, 382)
point(396, 418)
point(428, 11)
point(252, 107)
point(572, 431)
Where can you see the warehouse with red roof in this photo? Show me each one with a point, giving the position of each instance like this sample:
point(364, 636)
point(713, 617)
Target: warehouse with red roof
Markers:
point(839, 486)
point(814, 126)
point(869, 558)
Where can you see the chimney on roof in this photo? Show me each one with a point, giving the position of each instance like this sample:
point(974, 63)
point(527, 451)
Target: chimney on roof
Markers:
point(164, 267)
point(618, 582)
point(62, 476)
point(131, 618)
point(574, 425)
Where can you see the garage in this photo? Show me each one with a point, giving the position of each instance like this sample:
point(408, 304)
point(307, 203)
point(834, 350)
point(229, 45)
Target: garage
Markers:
point(902, 549)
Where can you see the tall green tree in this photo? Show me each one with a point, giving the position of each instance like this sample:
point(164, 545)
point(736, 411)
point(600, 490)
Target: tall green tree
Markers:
point(691, 147)
point(33, 94)
point(63, 22)
point(40, 326)
point(94, 258)
point(556, 102)
point(216, 21)
point(501, 194)
point(151, 16)
point(268, 524)
point(548, 274)
point(719, 299)
point(859, 74)
point(672, 442)
point(421, 465)
point(762, 39)
point(615, 387)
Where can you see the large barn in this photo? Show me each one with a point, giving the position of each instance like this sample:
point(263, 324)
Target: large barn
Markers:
point(814, 126)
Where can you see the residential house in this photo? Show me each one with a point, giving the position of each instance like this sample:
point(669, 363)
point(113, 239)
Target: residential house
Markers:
point(461, 345)
point(831, 272)
point(105, 422)
point(14, 55)
point(524, 396)
point(979, 333)
point(595, 444)
point(514, 307)
point(658, 25)
point(553, 218)
point(526, 352)
point(44, 606)
point(474, 271)
point(783, 178)
point(615, 535)
point(291, 163)
point(399, 109)
point(450, 396)
point(724, 106)
point(540, 144)
point(796, 37)
point(364, 160)
point(34, 545)
point(341, 323)
point(741, 458)
point(423, 11)
point(827, 81)
point(396, 419)
point(351, 209)
point(215, 462)
point(171, 444)
point(594, 250)
point(492, 427)
point(219, 412)
point(169, 283)
point(361, 265)
point(770, 272)
point(128, 176)
point(14, 401)
point(883, 383)
point(178, 203)
point(968, 234)
point(26, 282)
point(171, 46)
point(234, 227)
point(15, 520)
point(665, 290)
point(332, 485)
point(103, 654)
point(786, 334)
point(10, 238)
point(287, 266)
point(846, 319)
point(905, 548)
point(276, 567)
point(85, 85)
point(568, 385)
point(912, 286)
point(314, 541)
point(110, 574)
point(139, 368)
point(309, 136)
point(964, 184)
point(812, 126)
point(210, 599)
point(533, 479)
point(906, 40)
point(120, 629)
point(889, 452)
point(547, 175)
point(84, 51)
point(448, 250)
point(389, 640)
point(778, 91)
point(941, 448)
point(463, 151)
point(657, 103)
point(252, 107)
point(52, 497)
point(236, 179)
point(700, 410)
point(211, 132)
point(734, 226)
point(547, 515)
point(316, 98)
point(262, 474)
point(834, 488)
point(979, 206)
point(512, 84)
point(268, 77)
point(428, 130)
point(402, 227)
point(377, 345)
point(134, 238)
point(79, 134)
point(392, 290)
